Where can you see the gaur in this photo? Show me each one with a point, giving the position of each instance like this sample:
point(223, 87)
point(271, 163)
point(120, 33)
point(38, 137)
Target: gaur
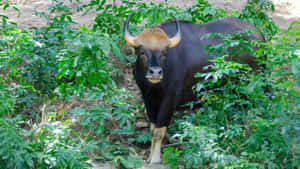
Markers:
point(168, 56)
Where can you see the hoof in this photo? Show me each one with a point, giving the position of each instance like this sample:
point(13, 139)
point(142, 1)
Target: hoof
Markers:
point(154, 162)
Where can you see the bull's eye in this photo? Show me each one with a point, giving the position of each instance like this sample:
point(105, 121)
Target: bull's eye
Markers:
point(142, 52)
point(142, 55)
point(162, 59)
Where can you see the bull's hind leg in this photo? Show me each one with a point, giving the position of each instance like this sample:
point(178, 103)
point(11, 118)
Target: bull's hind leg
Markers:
point(157, 138)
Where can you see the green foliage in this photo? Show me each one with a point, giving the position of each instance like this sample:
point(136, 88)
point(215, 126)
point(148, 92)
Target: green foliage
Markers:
point(30, 61)
point(13, 148)
point(255, 12)
point(110, 16)
point(143, 137)
point(85, 61)
point(46, 145)
point(151, 14)
point(171, 157)
point(285, 76)
point(7, 101)
point(203, 11)
point(112, 122)
point(54, 62)
point(202, 148)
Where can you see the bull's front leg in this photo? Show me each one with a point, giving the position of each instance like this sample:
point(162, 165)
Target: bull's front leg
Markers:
point(158, 135)
point(158, 130)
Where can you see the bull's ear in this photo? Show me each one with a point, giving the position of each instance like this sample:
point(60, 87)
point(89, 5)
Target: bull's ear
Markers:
point(127, 36)
point(175, 39)
point(130, 40)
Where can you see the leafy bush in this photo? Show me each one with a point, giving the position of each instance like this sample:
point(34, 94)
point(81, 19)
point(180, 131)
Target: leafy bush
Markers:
point(255, 12)
point(56, 62)
point(203, 11)
point(84, 62)
point(7, 101)
point(171, 157)
point(47, 145)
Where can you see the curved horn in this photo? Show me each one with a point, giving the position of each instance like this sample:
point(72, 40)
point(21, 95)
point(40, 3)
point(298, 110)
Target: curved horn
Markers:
point(127, 36)
point(177, 37)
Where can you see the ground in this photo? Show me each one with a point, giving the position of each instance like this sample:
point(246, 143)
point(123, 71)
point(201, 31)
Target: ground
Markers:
point(286, 11)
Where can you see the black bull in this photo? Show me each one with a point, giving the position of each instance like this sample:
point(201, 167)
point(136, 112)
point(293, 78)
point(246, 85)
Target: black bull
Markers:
point(165, 67)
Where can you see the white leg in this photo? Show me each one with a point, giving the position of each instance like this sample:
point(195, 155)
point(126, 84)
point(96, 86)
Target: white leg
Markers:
point(157, 138)
point(152, 126)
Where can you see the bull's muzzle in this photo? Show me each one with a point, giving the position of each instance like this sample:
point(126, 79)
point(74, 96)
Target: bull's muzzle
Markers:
point(154, 74)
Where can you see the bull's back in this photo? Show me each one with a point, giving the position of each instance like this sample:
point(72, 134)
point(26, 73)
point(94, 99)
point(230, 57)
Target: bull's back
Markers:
point(189, 56)
point(192, 45)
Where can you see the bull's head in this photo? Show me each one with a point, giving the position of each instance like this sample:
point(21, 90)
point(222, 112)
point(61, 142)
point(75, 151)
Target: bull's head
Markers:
point(151, 46)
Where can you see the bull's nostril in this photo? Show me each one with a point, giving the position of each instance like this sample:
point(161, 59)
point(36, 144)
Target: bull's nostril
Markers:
point(151, 71)
point(159, 72)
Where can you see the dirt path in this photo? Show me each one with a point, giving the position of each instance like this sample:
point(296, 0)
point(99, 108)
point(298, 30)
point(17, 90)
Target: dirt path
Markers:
point(286, 11)
point(108, 166)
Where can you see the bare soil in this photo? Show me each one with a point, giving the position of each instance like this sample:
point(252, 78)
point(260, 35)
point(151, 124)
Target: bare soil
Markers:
point(286, 11)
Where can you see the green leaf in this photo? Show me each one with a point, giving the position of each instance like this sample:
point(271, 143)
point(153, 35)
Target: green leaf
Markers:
point(6, 6)
point(143, 137)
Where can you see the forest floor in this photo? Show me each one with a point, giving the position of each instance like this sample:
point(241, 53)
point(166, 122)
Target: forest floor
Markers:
point(286, 11)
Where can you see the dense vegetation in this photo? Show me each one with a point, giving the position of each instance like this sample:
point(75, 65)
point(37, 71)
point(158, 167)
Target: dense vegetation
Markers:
point(63, 99)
